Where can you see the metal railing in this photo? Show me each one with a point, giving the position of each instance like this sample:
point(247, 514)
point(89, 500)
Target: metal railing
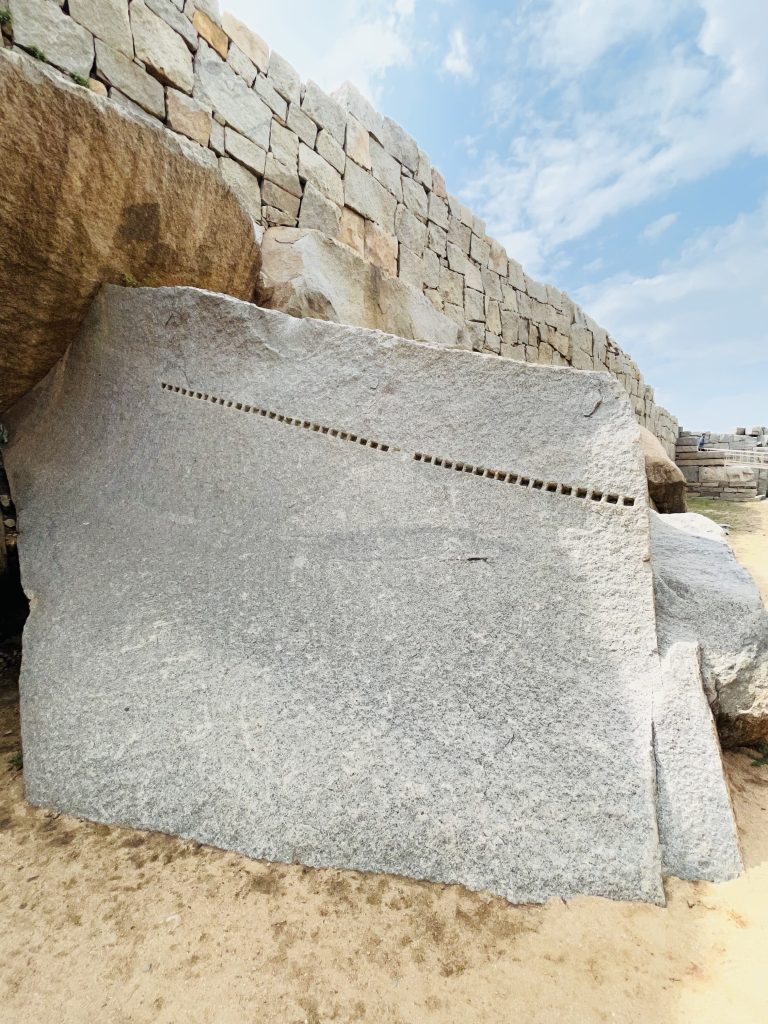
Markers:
point(734, 456)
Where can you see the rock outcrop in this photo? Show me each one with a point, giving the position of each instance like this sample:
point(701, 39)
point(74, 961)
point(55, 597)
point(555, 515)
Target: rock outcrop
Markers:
point(704, 596)
point(307, 274)
point(91, 194)
point(666, 483)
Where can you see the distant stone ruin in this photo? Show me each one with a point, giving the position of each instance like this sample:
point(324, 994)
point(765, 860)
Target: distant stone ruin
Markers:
point(730, 467)
point(346, 599)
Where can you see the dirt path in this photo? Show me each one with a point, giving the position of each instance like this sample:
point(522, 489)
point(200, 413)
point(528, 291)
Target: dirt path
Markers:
point(101, 924)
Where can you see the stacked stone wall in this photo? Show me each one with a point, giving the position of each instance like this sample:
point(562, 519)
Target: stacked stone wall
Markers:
point(297, 156)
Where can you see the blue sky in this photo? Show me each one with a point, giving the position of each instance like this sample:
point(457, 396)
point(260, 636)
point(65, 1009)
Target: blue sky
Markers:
point(618, 149)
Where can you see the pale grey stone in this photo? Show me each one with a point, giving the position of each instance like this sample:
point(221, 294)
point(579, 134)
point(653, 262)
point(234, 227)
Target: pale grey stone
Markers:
point(319, 172)
point(308, 274)
point(168, 11)
point(244, 151)
point(127, 77)
point(209, 7)
point(516, 275)
point(368, 197)
point(431, 265)
point(411, 231)
point(424, 170)
point(65, 44)
point(161, 49)
point(107, 20)
point(274, 217)
point(704, 596)
point(284, 78)
point(252, 45)
point(218, 85)
point(324, 111)
point(242, 65)
point(123, 101)
point(318, 212)
point(451, 286)
point(492, 284)
point(284, 144)
point(411, 268)
point(438, 210)
point(353, 101)
point(304, 127)
point(244, 185)
point(536, 290)
point(399, 144)
point(696, 824)
point(271, 97)
point(217, 140)
point(330, 150)
point(480, 250)
point(437, 239)
point(280, 199)
point(386, 169)
point(283, 175)
point(474, 305)
point(415, 198)
point(459, 234)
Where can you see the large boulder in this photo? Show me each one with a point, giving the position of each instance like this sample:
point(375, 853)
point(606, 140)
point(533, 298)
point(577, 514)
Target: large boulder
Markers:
point(91, 193)
point(666, 483)
point(704, 596)
point(307, 274)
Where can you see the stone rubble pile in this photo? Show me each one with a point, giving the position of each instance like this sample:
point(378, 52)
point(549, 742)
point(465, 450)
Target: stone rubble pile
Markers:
point(298, 157)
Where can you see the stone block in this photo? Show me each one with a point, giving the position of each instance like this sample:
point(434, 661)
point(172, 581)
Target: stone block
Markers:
point(459, 234)
point(411, 269)
point(492, 343)
point(438, 210)
point(119, 71)
point(284, 144)
point(217, 86)
point(273, 217)
point(65, 44)
point(497, 258)
point(411, 231)
point(352, 230)
point(273, 195)
point(381, 248)
point(399, 144)
point(491, 284)
point(244, 67)
point(492, 316)
point(212, 33)
point(424, 170)
point(284, 78)
point(160, 48)
point(107, 20)
point(217, 142)
point(353, 101)
point(170, 13)
point(438, 184)
point(186, 116)
point(244, 185)
point(303, 126)
point(437, 239)
point(366, 195)
point(325, 178)
point(247, 153)
point(515, 275)
point(480, 250)
point(271, 97)
point(318, 212)
point(357, 143)
point(324, 111)
point(386, 169)
point(415, 198)
point(474, 304)
point(330, 150)
point(253, 46)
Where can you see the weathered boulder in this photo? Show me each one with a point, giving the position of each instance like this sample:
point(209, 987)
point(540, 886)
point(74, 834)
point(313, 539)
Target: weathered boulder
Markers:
point(704, 596)
point(92, 194)
point(666, 483)
point(306, 274)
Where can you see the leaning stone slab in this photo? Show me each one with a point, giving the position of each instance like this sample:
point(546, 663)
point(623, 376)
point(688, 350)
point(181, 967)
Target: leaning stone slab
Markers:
point(307, 274)
point(333, 604)
point(704, 596)
point(696, 823)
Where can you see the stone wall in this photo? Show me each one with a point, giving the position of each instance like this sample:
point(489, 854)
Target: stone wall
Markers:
point(716, 474)
point(297, 156)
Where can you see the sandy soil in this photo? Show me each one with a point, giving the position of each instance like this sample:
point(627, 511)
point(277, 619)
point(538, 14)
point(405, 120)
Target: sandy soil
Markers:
point(101, 924)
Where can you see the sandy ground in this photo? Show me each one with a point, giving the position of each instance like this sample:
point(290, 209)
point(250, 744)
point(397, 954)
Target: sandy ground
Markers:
point(101, 924)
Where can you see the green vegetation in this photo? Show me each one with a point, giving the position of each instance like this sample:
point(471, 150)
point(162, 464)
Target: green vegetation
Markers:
point(5, 17)
point(129, 281)
point(38, 54)
point(762, 750)
point(78, 79)
point(16, 761)
point(740, 515)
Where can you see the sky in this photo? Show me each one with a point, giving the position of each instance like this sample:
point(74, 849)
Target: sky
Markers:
point(617, 148)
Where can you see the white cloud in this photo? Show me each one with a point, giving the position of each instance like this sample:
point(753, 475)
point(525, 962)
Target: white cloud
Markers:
point(689, 112)
point(699, 328)
point(348, 40)
point(657, 227)
point(456, 61)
